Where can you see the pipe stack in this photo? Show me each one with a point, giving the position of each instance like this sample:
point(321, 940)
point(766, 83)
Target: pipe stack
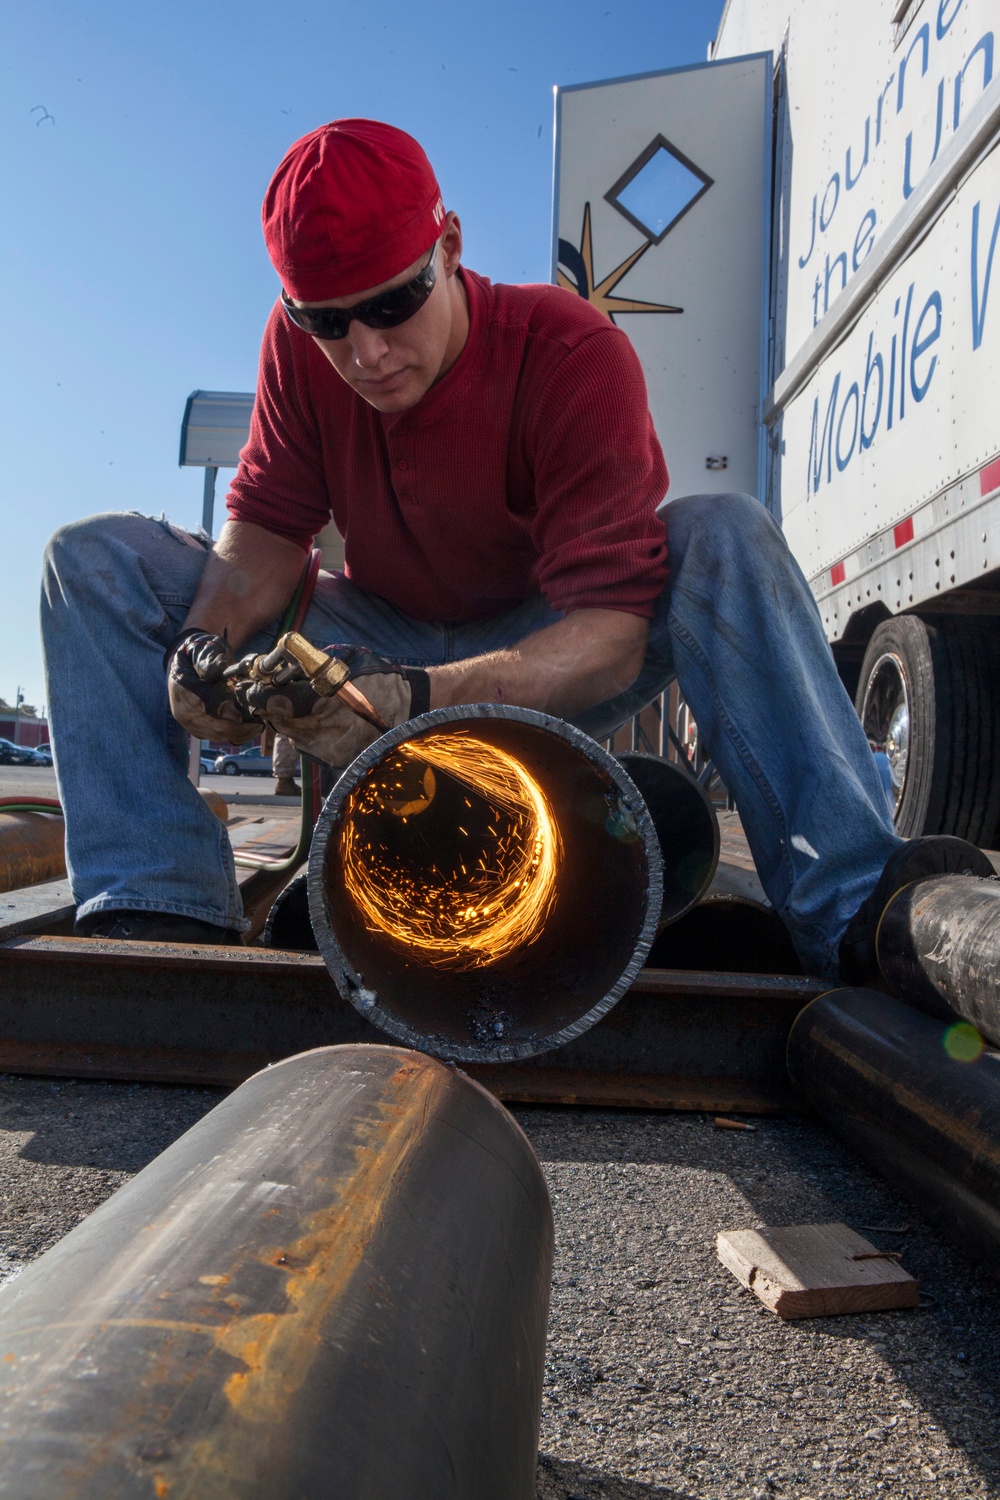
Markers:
point(939, 948)
point(883, 1076)
point(910, 1079)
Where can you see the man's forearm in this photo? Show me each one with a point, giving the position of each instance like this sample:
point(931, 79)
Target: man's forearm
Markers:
point(584, 659)
point(250, 576)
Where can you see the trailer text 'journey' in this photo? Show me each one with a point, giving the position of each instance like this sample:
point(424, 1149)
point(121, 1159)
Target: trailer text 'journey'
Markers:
point(904, 90)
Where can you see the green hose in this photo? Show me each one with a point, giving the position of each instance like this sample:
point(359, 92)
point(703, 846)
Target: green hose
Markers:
point(49, 805)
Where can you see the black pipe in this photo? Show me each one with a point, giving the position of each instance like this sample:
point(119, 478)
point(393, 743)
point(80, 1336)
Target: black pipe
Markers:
point(288, 925)
point(727, 934)
point(885, 1079)
point(335, 1284)
point(575, 964)
point(939, 948)
point(686, 827)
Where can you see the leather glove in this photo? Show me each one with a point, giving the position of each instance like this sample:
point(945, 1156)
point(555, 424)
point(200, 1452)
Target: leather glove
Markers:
point(324, 725)
point(200, 698)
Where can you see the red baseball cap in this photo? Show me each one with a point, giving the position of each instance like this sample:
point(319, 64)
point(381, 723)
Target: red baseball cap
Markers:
point(351, 205)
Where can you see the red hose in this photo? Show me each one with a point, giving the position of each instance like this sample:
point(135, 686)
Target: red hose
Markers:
point(309, 577)
point(32, 804)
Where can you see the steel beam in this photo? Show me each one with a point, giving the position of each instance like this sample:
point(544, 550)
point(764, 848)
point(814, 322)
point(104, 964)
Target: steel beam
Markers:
point(169, 1012)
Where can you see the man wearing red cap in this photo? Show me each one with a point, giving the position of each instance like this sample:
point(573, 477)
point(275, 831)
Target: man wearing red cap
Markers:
point(488, 456)
point(467, 479)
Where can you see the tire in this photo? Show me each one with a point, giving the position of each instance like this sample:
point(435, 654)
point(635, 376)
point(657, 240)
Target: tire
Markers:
point(929, 692)
point(231, 768)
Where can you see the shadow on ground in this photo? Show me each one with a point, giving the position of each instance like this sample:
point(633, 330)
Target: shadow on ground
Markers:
point(559, 1479)
point(114, 1127)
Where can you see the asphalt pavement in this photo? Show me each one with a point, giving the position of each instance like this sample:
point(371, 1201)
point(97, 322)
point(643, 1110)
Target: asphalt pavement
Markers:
point(665, 1379)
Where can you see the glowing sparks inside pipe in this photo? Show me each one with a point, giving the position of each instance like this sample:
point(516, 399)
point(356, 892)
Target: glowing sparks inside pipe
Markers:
point(450, 849)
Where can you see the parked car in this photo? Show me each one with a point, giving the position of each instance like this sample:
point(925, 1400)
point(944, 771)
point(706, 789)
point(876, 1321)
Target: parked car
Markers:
point(32, 757)
point(244, 763)
point(19, 755)
point(45, 751)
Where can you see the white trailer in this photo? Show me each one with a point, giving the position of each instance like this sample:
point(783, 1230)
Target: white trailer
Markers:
point(821, 203)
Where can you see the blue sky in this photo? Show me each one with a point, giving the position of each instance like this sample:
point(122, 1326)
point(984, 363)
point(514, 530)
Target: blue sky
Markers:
point(134, 265)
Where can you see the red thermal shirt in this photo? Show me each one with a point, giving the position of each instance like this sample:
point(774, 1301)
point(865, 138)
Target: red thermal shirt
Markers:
point(532, 465)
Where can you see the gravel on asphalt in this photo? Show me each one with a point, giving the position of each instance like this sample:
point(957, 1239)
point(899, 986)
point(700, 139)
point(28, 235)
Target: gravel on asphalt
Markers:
point(665, 1379)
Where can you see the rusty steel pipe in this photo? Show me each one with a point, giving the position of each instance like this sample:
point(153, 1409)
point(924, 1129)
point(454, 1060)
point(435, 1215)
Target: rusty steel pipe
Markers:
point(335, 1284)
point(215, 803)
point(686, 827)
point(883, 1078)
point(32, 849)
point(33, 844)
point(579, 960)
point(939, 948)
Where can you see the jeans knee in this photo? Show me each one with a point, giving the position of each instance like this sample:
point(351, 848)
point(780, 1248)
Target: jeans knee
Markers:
point(732, 513)
point(84, 560)
point(719, 525)
point(83, 536)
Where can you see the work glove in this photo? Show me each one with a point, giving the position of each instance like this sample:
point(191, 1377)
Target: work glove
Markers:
point(335, 725)
point(200, 697)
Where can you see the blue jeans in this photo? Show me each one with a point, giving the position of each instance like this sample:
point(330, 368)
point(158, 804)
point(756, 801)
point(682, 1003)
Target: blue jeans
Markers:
point(736, 624)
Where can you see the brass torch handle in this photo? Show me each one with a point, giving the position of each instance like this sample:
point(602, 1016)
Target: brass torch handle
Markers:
point(328, 675)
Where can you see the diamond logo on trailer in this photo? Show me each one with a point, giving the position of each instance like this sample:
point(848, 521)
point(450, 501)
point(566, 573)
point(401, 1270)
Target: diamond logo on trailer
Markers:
point(658, 189)
point(654, 194)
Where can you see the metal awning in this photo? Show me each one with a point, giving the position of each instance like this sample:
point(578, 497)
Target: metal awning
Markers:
point(216, 425)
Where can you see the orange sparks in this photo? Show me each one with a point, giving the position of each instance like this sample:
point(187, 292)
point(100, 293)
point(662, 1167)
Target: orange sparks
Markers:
point(451, 909)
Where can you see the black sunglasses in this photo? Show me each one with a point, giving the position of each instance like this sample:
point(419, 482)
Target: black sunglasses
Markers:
point(387, 310)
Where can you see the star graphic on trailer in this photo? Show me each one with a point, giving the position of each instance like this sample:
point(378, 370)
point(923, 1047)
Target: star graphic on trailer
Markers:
point(579, 276)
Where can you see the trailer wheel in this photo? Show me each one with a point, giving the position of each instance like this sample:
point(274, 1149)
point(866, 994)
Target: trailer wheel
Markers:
point(929, 694)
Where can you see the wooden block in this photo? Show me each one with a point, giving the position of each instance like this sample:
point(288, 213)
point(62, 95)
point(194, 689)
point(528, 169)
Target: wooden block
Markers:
point(816, 1270)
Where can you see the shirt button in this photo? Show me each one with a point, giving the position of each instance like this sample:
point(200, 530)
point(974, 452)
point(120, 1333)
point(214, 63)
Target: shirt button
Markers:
point(402, 464)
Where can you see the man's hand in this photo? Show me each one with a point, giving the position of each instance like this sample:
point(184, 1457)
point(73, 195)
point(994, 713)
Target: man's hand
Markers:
point(321, 724)
point(200, 698)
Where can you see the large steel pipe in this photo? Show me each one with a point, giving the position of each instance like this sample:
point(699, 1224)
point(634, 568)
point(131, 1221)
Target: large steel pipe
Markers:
point(32, 849)
point(33, 844)
point(336, 1284)
point(939, 947)
point(686, 827)
point(687, 831)
point(883, 1077)
point(484, 883)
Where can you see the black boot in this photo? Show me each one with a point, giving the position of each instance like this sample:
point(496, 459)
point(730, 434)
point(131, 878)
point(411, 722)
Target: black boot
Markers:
point(155, 927)
point(918, 859)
